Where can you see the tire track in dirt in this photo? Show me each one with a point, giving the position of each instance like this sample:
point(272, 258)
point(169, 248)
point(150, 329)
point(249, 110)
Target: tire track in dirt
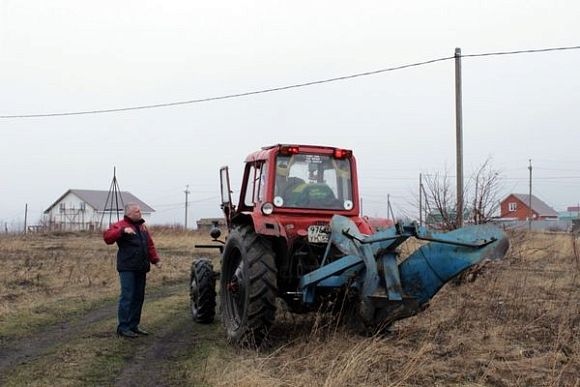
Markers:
point(151, 365)
point(16, 351)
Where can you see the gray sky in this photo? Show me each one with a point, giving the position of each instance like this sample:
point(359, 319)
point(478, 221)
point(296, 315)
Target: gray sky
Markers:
point(68, 55)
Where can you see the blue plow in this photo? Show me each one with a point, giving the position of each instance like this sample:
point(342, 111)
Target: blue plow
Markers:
point(390, 290)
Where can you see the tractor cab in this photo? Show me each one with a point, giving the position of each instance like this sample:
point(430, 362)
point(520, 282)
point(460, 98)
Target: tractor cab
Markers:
point(312, 182)
point(287, 190)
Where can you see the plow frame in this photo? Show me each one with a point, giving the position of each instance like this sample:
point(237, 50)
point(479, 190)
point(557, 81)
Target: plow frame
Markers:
point(370, 262)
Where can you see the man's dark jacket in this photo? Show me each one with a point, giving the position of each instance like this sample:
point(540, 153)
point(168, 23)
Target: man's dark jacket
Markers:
point(136, 251)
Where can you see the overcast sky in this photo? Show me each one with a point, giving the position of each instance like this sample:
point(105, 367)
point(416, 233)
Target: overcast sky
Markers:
point(59, 56)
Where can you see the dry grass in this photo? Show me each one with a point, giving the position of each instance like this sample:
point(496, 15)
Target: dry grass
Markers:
point(44, 276)
point(517, 324)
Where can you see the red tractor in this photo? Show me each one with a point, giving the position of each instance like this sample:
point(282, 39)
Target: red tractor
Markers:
point(297, 234)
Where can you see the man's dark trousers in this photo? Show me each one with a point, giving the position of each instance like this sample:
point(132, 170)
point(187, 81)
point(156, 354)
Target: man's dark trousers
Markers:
point(131, 301)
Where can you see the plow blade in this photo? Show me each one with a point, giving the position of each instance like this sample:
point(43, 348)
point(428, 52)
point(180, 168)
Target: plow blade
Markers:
point(425, 271)
point(389, 290)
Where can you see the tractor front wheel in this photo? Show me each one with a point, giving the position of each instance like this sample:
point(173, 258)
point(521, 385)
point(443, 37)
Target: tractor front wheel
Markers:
point(202, 291)
point(248, 287)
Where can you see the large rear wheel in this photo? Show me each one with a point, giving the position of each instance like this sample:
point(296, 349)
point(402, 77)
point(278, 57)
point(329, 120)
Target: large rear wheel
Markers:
point(248, 287)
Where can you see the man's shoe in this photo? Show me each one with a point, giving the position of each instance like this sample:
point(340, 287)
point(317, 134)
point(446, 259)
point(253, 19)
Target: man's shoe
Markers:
point(140, 331)
point(127, 333)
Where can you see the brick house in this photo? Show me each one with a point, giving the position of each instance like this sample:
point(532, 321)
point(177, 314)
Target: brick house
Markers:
point(516, 207)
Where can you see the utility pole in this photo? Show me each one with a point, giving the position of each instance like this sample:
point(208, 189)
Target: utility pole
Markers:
point(420, 199)
point(459, 136)
point(530, 199)
point(25, 216)
point(186, 204)
point(361, 207)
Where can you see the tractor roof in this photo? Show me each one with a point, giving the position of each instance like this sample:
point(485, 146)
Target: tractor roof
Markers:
point(267, 150)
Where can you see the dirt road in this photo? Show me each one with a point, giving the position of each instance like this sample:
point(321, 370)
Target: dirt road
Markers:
point(146, 361)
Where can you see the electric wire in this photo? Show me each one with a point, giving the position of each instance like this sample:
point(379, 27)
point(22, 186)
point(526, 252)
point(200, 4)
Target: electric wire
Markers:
point(287, 87)
point(230, 96)
point(532, 51)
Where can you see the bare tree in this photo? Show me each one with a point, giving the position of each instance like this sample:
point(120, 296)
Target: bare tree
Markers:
point(485, 195)
point(480, 198)
point(439, 201)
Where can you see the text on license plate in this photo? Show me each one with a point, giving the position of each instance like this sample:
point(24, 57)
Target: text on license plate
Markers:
point(318, 233)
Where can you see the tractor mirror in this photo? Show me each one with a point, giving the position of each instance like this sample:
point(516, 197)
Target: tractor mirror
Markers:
point(225, 185)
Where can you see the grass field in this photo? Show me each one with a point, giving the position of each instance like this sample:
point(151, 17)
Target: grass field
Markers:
point(517, 323)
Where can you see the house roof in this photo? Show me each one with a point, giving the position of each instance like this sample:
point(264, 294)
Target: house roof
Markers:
point(97, 199)
point(538, 206)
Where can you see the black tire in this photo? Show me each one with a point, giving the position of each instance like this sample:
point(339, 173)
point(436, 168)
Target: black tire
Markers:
point(202, 291)
point(248, 287)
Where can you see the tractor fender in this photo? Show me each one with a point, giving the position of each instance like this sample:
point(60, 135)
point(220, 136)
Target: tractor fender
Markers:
point(268, 226)
point(240, 219)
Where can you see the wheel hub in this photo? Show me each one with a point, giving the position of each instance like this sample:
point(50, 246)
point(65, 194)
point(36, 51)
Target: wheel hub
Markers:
point(236, 285)
point(233, 287)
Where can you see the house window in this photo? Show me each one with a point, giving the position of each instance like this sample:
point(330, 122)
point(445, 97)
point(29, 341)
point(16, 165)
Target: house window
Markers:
point(512, 206)
point(62, 207)
point(82, 206)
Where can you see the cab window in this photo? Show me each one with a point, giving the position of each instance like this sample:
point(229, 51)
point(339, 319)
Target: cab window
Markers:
point(255, 184)
point(313, 181)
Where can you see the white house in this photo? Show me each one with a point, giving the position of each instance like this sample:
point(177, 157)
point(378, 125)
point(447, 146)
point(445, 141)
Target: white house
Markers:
point(81, 209)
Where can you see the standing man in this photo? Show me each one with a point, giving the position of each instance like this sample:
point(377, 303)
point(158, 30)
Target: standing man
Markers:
point(136, 253)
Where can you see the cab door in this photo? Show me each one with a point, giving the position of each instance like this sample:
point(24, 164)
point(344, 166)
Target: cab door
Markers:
point(226, 195)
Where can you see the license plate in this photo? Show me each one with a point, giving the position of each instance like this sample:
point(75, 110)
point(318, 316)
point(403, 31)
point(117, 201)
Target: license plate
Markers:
point(318, 233)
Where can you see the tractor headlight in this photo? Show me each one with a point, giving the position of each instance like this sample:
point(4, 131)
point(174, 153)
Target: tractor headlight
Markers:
point(267, 208)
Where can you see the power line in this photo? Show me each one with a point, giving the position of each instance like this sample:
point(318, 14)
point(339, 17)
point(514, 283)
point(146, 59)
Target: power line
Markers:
point(500, 177)
point(190, 202)
point(497, 53)
point(287, 87)
point(542, 178)
point(230, 96)
point(559, 169)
